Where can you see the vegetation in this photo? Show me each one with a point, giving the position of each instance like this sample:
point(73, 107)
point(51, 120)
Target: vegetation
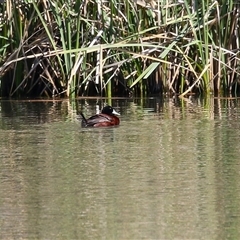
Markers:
point(118, 47)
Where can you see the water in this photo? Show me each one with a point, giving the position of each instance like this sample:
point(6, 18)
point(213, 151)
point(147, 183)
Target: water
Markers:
point(171, 170)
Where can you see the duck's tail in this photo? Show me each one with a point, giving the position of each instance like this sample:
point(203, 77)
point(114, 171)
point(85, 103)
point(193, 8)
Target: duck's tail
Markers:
point(83, 118)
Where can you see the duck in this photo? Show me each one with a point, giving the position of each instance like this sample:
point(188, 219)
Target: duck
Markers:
point(107, 117)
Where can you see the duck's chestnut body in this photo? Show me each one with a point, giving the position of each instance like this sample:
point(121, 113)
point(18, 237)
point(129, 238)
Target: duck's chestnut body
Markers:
point(106, 118)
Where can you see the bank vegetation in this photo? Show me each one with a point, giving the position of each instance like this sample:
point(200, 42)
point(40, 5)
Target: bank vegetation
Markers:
point(118, 48)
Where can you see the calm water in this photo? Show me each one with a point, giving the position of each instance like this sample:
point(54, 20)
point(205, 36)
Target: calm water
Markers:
point(171, 170)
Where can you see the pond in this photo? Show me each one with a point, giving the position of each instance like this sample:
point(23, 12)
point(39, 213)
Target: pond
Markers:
point(171, 170)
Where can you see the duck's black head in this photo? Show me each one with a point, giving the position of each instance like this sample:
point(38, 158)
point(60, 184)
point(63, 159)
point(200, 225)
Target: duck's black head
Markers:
point(109, 110)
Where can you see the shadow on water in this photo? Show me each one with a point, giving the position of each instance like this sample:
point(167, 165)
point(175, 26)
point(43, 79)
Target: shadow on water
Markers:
point(170, 170)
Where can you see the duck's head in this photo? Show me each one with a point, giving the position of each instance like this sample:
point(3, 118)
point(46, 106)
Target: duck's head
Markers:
point(109, 110)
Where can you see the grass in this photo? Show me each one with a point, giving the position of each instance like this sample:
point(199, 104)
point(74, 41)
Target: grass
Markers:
point(118, 48)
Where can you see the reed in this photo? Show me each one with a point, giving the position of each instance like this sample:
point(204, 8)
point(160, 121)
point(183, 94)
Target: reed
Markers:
point(118, 48)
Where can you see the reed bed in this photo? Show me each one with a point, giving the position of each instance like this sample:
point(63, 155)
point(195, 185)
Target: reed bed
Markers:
point(118, 48)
